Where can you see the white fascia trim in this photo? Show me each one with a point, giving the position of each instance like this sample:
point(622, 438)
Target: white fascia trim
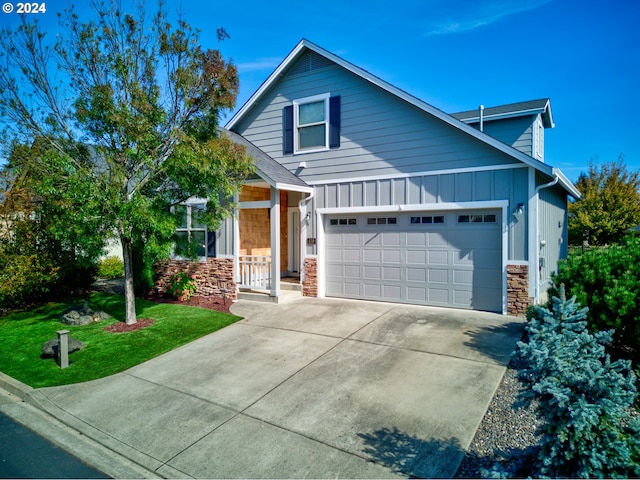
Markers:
point(266, 85)
point(566, 183)
point(459, 124)
point(293, 188)
point(393, 176)
point(501, 116)
point(418, 207)
point(517, 113)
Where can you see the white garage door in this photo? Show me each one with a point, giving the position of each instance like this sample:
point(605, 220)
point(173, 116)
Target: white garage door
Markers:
point(449, 259)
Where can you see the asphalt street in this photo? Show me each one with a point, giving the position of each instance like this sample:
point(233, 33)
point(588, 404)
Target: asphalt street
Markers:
point(24, 454)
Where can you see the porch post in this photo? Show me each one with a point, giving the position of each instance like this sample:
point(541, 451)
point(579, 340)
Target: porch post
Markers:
point(275, 242)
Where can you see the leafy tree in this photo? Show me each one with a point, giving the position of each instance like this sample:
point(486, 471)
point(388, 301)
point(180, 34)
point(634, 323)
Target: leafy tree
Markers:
point(583, 397)
point(610, 204)
point(126, 108)
point(34, 258)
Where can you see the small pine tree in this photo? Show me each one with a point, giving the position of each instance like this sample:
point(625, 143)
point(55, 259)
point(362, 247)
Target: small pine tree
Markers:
point(584, 399)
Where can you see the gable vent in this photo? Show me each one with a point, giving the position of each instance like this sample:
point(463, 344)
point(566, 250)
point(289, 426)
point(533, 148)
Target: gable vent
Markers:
point(308, 62)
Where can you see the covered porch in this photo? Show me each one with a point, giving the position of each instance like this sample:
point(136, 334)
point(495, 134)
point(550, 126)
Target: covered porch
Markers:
point(272, 217)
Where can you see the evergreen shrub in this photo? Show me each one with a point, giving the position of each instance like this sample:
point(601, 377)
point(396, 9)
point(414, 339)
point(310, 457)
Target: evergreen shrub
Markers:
point(606, 280)
point(584, 399)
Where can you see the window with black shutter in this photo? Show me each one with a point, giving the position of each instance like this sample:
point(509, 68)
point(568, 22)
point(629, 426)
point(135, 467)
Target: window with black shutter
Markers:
point(311, 124)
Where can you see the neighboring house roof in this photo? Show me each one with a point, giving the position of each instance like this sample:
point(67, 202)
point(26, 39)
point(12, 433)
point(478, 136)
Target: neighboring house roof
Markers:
point(267, 168)
point(451, 120)
point(519, 109)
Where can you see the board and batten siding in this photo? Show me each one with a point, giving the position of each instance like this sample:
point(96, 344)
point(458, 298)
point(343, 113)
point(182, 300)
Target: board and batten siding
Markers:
point(225, 237)
point(430, 190)
point(552, 214)
point(381, 134)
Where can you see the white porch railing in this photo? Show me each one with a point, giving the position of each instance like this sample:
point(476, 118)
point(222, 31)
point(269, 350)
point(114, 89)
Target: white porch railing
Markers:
point(255, 271)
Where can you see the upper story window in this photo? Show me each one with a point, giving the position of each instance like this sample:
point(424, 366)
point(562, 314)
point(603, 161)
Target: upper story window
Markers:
point(191, 234)
point(311, 117)
point(311, 124)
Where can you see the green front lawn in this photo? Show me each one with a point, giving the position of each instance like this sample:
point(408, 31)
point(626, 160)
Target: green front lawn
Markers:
point(22, 335)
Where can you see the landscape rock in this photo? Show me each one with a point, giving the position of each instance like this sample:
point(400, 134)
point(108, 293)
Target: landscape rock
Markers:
point(82, 315)
point(50, 347)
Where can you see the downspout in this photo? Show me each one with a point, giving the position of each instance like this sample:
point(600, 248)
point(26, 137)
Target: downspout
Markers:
point(481, 117)
point(303, 231)
point(555, 180)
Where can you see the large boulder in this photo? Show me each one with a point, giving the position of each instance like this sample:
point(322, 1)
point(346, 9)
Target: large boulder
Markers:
point(51, 347)
point(82, 315)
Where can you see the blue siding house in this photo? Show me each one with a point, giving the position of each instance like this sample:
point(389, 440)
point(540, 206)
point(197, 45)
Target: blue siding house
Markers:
point(363, 191)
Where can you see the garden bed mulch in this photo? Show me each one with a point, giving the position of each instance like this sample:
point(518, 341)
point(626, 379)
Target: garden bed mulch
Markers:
point(121, 327)
point(213, 303)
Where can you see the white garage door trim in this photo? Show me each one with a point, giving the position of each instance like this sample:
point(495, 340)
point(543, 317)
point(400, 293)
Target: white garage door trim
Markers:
point(322, 213)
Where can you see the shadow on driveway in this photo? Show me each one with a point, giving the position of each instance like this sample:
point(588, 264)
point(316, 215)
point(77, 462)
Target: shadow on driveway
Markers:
point(409, 455)
point(491, 340)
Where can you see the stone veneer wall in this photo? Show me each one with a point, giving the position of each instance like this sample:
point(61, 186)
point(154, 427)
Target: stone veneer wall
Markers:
point(310, 282)
point(214, 277)
point(518, 289)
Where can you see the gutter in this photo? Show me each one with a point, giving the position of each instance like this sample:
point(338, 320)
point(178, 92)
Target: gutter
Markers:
point(555, 180)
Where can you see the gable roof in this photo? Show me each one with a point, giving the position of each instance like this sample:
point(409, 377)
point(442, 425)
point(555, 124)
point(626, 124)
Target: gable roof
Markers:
point(267, 168)
point(511, 110)
point(305, 45)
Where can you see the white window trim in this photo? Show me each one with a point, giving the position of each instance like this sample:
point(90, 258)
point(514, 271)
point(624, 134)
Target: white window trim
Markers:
point(190, 204)
point(296, 105)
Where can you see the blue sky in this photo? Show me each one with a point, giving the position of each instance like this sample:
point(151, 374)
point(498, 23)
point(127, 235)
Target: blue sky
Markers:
point(456, 55)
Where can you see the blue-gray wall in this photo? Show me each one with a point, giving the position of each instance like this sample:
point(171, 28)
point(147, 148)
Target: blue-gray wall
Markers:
point(552, 214)
point(382, 137)
point(380, 133)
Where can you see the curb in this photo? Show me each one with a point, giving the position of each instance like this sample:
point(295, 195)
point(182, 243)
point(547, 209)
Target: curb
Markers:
point(38, 414)
point(14, 387)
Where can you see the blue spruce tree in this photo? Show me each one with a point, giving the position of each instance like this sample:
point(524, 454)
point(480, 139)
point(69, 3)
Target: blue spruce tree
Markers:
point(584, 398)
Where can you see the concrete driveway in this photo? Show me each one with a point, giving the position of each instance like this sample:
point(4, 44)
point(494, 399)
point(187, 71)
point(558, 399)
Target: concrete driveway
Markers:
point(313, 388)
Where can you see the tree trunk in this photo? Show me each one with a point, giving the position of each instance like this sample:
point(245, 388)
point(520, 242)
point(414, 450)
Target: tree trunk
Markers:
point(129, 294)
